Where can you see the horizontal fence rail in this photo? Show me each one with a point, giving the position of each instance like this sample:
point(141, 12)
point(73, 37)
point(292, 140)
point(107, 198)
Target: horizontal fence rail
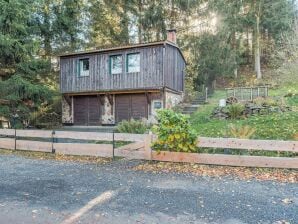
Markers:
point(227, 160)
point(138, 146)
point(248, 144)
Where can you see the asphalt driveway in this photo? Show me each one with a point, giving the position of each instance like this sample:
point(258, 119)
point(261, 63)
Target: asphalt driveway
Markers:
point(49, 191)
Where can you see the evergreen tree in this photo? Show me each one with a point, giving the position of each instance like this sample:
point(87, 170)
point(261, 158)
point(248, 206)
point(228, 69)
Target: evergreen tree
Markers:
point(18, 49)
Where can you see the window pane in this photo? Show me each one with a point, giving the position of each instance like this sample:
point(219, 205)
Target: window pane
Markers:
point(116, 64)
point(133, 62)
point(84, 67)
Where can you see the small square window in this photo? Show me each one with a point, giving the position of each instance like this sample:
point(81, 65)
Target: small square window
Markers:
point(84, 67)
point(116, 64)
point(157, 105)
point(133, 62)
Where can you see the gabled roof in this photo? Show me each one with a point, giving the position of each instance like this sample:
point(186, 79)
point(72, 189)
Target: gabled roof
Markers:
point(123, 48)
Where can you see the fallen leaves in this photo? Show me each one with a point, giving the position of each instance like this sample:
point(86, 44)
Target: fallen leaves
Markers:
point(56, 156)
point(287, 201)
point(245, 173)
point(281, 222)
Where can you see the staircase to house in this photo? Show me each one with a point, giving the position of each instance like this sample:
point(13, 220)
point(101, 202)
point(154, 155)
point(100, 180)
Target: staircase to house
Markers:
point(194, 105)
point(200, 99)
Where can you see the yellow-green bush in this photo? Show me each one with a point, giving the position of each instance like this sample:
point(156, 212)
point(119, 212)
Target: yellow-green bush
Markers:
point(174, 132)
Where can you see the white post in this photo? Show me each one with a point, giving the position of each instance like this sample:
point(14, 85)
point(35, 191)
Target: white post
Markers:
point(147, 146)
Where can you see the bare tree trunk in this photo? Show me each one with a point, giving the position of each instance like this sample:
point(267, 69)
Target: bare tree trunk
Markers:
point(257, 43)
point(234, 44)
point(140, 14)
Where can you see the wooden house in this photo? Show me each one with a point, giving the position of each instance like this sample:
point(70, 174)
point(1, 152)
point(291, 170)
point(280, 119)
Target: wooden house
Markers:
point(106, 86)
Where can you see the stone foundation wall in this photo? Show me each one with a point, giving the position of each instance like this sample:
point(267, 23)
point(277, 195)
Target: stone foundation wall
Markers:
point(67, 112)
point(108, 112)
point(172, 99)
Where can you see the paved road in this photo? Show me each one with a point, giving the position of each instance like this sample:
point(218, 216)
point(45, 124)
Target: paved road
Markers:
point(47, 191)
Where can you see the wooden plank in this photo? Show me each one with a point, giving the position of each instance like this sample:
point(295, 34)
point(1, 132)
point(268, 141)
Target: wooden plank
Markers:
point(7, 132)
point(102, 150)
point(248, 144)
point(131, 154)
point(133, 151)
point(97, 136)
point(7, 143)
point(34, 133)
point(136, 146)
point(227, 160)
point(129, 137)
point(34, 146)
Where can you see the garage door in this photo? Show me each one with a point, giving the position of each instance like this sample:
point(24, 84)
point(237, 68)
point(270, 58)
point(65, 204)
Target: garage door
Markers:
point(131, 106)
point(86, 110)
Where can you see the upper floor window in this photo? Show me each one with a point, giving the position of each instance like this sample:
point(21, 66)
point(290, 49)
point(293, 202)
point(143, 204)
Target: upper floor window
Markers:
point(116, 64)
point(133, 62)
point(84, 67)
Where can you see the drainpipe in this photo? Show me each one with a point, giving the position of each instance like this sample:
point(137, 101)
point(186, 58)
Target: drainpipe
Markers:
point(163, 75)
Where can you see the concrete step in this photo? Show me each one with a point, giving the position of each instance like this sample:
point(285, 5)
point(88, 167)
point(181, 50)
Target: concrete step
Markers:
point(198, 102)
point(188, 112)
point(190, 108)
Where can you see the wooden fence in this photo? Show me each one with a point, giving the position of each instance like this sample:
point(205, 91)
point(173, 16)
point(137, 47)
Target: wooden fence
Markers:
point(138, 147)
point(247, 93)
point(100, 144)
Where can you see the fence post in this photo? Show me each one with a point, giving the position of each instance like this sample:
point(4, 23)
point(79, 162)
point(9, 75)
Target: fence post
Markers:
point(53, 141)
point(251, 90)
point(15, 139)
point(113, 155)
point(206, 93)
point(147, 146)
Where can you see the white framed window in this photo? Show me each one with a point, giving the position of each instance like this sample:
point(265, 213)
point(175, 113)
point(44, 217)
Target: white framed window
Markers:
point(84, 67)
point(116, 64)
point(133, 62)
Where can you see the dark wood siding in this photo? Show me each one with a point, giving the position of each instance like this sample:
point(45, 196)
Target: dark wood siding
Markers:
point(86, 110)
point(131, 106)
point(174, 69)
point(100, 79)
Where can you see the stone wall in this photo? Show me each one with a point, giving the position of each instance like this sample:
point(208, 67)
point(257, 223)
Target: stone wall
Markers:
point(108, 112)
point(172, 99)
point(67, 111)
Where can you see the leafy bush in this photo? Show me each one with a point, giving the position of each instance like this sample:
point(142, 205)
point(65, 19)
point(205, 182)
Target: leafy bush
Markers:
point(244, 132)
point(235, 110)
point(174, 132)
point(178, 108)
point(133, 126)
point(268, 101)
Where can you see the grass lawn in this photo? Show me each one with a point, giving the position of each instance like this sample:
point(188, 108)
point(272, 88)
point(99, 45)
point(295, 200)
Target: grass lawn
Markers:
point(281, 126)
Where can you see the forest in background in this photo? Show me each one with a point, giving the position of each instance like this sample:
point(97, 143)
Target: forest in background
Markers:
point(232, 40)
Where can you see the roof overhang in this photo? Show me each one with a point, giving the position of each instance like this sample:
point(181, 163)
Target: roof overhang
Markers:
point(122, 48)
point(120, 91)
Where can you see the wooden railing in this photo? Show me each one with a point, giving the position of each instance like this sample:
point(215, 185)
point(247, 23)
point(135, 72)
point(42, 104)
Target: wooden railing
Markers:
point(237, 160)
point(100, 144)
point(138, 146)
point(247, 93)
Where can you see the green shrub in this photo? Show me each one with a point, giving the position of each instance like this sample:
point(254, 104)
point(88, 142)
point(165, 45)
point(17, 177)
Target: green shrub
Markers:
point(268, 101)
point(235, 110)
point(174, 132)
point(133, 126)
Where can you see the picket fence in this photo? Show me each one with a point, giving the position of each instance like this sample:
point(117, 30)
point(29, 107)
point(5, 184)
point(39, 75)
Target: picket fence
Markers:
point(138, 146)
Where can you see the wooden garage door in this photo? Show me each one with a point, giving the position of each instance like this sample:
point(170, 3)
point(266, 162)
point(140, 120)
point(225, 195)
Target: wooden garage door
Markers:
point(86, 110)
point(131, 106)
